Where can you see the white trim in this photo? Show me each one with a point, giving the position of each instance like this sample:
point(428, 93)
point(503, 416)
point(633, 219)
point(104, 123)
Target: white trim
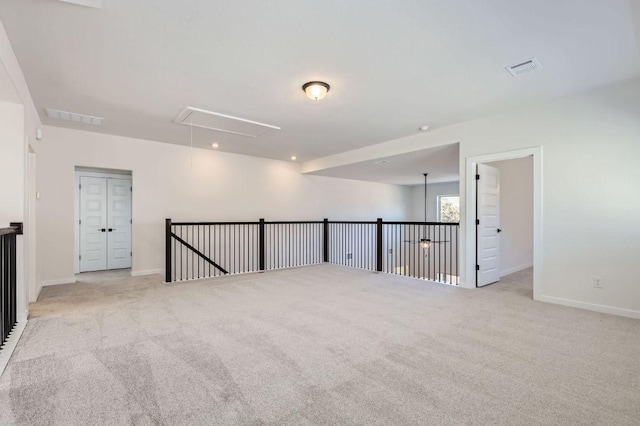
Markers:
point(516, 269)
point(591, 306)
point(470, 213)
point(60, 281)
point(147, 272)
point(39, 291)
point(10, 345)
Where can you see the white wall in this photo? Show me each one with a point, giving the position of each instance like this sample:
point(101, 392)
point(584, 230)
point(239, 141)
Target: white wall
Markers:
point(516, 214)
point(416, 211)
point(13, 185)
point(12, 169)
point(590, 163)
point(219, 187)
point(15, 165)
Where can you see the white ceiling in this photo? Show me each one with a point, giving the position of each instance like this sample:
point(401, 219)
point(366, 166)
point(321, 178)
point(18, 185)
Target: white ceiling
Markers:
point(442, 163)
point(393, 66)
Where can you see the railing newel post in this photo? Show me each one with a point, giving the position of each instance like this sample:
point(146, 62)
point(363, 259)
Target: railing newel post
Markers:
point(261, 243)
point(325, 240)
point(379, 245)
point(167, 251)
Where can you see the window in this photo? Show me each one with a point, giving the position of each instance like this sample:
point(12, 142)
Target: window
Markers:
point(448, 208)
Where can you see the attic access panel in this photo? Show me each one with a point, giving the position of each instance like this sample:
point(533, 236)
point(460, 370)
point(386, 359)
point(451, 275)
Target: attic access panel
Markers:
point(222, 123)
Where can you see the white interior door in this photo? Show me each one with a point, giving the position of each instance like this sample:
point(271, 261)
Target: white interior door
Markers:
point(93, 224)
point(488, 215)
point(118, 223)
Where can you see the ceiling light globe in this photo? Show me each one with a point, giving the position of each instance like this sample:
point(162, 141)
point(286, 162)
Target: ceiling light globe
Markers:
point(316, 90)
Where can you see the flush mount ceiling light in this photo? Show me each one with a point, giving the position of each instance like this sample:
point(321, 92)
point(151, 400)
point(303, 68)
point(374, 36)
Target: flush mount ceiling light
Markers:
point(72, 116)
point(215, 145)
point(316, 90)
point(424, 128)
point(293, 158)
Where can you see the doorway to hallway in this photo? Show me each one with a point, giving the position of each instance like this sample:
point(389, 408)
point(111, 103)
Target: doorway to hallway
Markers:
point(510, 216)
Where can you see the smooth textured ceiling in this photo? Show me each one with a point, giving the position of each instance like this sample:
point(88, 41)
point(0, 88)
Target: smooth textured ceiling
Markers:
point(442, 163)
point(393, 66)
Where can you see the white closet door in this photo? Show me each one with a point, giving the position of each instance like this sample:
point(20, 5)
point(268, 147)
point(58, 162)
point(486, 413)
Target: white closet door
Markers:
point(119, 223)
point(488, 245)
point(93, 224)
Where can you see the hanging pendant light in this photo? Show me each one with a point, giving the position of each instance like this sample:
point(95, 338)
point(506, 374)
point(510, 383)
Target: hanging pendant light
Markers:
point(425, 243)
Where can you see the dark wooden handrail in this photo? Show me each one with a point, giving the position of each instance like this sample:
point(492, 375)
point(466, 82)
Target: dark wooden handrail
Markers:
point(15, 228)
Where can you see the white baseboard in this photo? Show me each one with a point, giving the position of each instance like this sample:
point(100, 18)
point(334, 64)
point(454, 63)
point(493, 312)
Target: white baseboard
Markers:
point(10, 345)
point(516, 269)
point(630, 313)
point(147, 272)
point(38, 291)
point(70, 280)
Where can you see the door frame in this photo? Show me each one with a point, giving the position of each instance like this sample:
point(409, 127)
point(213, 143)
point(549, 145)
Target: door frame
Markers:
point(85, 171)
point(470, 213)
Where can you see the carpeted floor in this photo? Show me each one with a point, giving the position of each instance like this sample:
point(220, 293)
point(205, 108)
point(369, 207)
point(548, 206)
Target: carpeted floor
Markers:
point(317, 345)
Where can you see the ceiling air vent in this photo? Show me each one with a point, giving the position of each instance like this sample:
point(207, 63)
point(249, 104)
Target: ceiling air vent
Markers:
point(72, 116)
point(524, 67)
point(222, 123)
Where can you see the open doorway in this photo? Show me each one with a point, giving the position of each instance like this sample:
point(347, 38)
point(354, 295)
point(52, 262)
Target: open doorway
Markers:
point(506, 216)
point(504, 226)
point(103, 224)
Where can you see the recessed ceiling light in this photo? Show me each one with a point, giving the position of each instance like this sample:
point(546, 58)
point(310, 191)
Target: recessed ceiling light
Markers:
point(215, 145)
point(316, 90)
point(293, 158)
point(424, 128)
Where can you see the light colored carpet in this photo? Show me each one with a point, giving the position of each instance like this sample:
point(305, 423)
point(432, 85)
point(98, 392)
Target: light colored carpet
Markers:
point(318, 345)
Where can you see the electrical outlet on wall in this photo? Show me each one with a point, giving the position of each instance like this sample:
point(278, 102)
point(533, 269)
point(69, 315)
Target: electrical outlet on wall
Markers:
point(349, 256)
point(390, 251)
point(597, 282)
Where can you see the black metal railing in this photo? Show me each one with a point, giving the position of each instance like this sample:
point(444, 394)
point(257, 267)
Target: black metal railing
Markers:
point(426, 250)
point(353, 244)
point(289, 244)
point(8, 274)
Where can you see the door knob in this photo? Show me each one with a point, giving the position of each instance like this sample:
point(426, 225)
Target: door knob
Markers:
point(102, 230)
point(499, 230)
point(111, 229)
